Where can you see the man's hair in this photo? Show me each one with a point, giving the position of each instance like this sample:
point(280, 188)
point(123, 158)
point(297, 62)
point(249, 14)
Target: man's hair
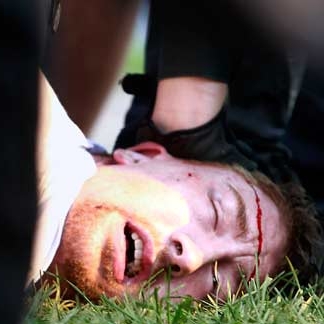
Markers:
point(305, 232)
point(298, 212)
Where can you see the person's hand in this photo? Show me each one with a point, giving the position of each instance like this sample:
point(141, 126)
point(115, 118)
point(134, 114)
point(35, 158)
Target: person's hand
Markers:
point(209, 142)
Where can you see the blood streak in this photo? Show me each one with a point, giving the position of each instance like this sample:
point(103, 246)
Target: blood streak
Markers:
point(259, 225)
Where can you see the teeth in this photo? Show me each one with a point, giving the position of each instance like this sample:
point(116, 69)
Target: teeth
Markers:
point(135, 236)
point(138, 254)
point(133, 268)
point(138, 244)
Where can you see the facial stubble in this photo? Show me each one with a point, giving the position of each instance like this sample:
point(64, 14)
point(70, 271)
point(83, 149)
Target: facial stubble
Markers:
point(85, 254)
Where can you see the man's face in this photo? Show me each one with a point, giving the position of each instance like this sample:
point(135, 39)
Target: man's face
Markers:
point(150, 211)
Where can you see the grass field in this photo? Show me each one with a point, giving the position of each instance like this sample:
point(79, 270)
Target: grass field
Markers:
point(264, 303)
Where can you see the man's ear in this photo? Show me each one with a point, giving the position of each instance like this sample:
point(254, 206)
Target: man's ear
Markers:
point(149, 149)
point(139, 153)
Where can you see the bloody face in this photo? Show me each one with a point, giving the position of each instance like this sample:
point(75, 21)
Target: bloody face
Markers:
point(150, 212)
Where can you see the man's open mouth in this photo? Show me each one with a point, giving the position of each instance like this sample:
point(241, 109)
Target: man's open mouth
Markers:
point(134, 253)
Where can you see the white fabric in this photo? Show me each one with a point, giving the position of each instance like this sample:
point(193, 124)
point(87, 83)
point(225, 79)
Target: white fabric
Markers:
point(63, 166)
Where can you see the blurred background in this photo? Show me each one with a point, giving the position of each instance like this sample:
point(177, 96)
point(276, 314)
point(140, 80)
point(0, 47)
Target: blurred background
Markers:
point(111, 118)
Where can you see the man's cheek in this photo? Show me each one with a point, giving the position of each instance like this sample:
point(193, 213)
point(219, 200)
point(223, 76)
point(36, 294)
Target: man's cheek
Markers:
point(198, 284)
point(143, 198)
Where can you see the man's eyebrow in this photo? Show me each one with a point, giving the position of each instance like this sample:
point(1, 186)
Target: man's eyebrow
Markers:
point(241, 212)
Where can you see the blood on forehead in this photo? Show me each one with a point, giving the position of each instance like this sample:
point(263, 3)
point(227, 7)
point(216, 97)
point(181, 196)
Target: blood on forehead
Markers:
point(259, 226)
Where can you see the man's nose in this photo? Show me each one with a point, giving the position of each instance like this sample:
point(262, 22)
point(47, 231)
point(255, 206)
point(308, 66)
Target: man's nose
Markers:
point(184, 255)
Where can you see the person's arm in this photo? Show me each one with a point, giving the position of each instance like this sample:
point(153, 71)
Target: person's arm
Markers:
point(187, 102)
point(189, 120)
point(84, 56)
point(192, 65)
point(188, 57)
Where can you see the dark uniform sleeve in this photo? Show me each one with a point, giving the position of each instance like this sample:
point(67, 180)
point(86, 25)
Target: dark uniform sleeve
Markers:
point(190, 40)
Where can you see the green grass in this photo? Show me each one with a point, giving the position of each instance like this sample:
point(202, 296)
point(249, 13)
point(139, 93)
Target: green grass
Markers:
point(134, 59)
point(264, 303)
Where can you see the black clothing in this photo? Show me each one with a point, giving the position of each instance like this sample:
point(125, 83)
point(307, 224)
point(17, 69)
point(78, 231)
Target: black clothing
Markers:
point(214, 40)
point(213, 141)
point(305, 135)
point(22, 33)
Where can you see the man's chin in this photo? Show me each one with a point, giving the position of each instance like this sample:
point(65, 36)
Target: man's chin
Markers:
point(77, 283)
